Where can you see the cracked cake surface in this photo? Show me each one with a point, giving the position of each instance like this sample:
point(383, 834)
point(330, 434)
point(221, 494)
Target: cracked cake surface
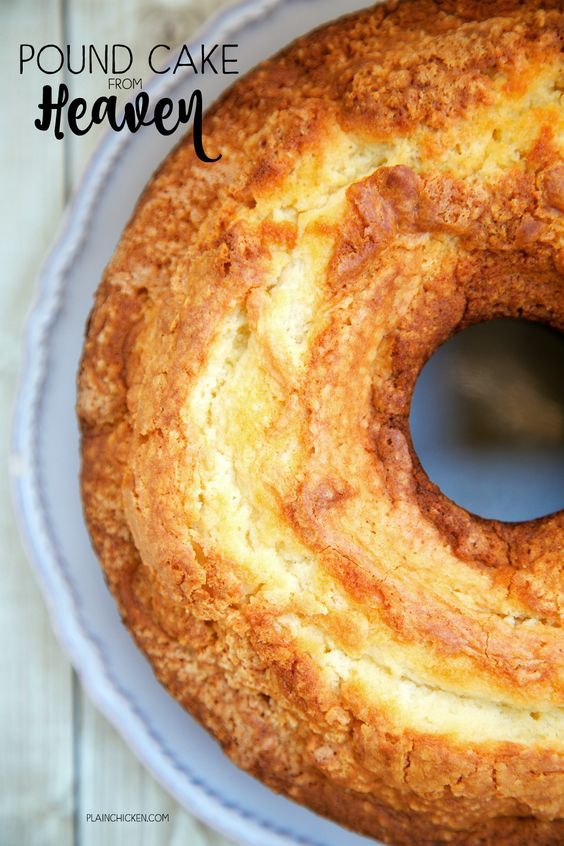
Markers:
point(349, 635)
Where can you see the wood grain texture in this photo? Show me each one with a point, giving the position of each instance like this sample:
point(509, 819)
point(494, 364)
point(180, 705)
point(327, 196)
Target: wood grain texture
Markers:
point(59, 757)
point(36, 732)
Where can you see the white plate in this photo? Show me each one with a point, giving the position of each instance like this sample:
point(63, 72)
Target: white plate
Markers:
point(45, 466)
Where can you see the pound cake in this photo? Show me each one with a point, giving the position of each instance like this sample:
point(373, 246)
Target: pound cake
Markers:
point(349, 635)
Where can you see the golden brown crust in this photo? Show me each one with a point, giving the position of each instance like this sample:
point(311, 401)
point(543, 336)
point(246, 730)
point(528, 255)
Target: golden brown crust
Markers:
point(349, 635)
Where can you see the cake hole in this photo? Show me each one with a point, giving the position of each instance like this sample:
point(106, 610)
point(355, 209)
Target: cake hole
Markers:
point(487, 419)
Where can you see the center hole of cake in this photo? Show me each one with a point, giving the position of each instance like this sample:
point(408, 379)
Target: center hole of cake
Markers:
point(487, 419)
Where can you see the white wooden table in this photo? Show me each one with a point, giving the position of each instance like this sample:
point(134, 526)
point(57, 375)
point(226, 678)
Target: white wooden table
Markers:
point(59, 759)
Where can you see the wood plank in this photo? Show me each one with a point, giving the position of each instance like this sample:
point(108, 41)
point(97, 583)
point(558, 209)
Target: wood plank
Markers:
point(36, 773)
point(113, 781)
point(110, 779)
